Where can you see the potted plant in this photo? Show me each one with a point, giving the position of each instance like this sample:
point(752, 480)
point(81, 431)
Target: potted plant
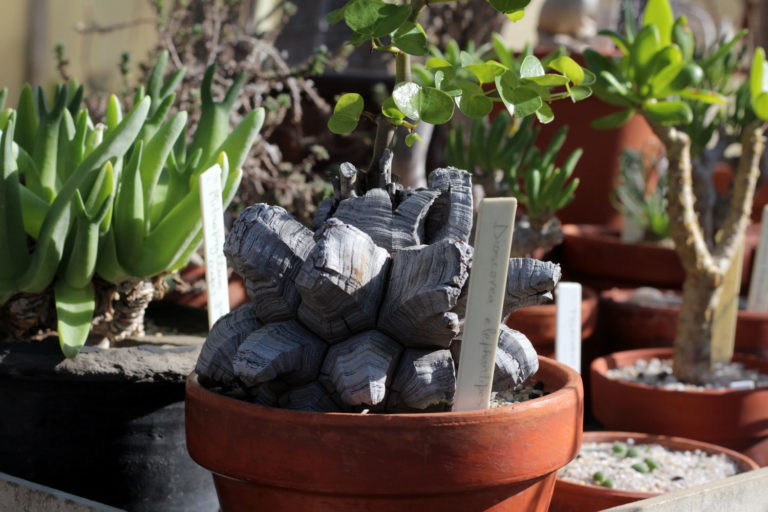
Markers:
point(361, 318)
point(499, 151)
point(597, 254)
point(95, 213)
point(622, 467)
point(656, 73)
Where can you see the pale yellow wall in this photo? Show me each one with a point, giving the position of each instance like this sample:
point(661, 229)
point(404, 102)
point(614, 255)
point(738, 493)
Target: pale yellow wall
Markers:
point(93, 58)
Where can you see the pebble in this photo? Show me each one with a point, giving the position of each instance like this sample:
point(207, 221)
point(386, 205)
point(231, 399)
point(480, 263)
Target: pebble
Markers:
point(522, 394)
point(654, 468)
point(658, 372)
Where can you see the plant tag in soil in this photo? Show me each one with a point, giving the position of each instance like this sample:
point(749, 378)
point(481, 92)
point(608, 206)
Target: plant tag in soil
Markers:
point(487, 284)
point(727, 310)
point(568, 326)
point(758, 286)
point(213, 236)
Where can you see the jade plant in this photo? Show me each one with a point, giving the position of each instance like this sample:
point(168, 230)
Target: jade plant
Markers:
point(529, 175)
point(656, 77)
point(94, 213)
point(364, 312)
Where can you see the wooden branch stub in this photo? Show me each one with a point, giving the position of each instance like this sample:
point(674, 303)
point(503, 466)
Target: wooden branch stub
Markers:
point(529, 282)
point(423, 378)
point(342, 282)
point(516, 359)
point(385, 168)
point(225, 337)
point(282, 349)
point(424, 284)
point(410, 217)
point(347, 178)
point(267, 247)
point(310, 397)
point(360, 368)
point(371, 214)
point(450, 217)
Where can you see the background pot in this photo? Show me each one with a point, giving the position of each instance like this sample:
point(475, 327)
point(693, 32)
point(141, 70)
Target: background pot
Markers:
point(107, 425)
point(597, 256)
point(736, 419)
point(199, 299)
point(275, 459)
point(573, 497)
point(629, 325)
point(539, 323)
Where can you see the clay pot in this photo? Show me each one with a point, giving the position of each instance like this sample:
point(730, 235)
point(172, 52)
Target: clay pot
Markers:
point(598, 257)
point(573, 497)
point(723, 176)
point(736, 419)
point(192, 273)
point(539, 323)
point(627, 325)
point(272, 459)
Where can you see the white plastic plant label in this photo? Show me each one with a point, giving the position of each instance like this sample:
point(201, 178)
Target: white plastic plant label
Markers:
point(213, 239)
point(487, 284)
point(568, 326)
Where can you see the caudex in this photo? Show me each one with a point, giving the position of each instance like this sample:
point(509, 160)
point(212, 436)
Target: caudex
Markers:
point(658, 77)
point(366, 311)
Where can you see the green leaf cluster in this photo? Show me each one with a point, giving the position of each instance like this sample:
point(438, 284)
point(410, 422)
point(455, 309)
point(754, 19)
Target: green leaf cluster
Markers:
point(118, 199)
point(457, 78)
point(640, 198)
point(532, 176)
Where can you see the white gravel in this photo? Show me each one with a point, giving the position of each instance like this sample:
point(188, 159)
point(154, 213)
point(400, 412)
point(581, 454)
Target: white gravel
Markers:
point(658, 372)
point(513, 396)
point(675, 469)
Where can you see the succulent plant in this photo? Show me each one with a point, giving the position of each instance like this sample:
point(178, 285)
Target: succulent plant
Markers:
point(89, 210)
point(366, 312)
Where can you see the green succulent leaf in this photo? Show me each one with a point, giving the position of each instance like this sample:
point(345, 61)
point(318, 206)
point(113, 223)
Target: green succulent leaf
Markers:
point(659, 14)
point(509, 6)
point(531, 67)
point(515, 16)
point(390, 110)
point(473, 102)
point(613, 120)
point(423, 103)
point(668, 112)
point(568, 67)
point(74, 312)
point(545, 114)
point(549, 80)
point(346, 113)
point(647, 43)
point(335, 16)
point(710, 97)
point(526, 101)
point(487, 72)
point(375, 18)
point(411, 38)
point(682, 36)
point(758, 84)
point(618, 40)
point(579, 92)
point(411, 138)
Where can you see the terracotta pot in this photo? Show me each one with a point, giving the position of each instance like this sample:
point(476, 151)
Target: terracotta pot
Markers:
point(496, 459)
point(627, 325)
point(598, 257)
point(192, 273)
point(573, 497)
point(539, 323)
point(723, 176)
point(736, 419)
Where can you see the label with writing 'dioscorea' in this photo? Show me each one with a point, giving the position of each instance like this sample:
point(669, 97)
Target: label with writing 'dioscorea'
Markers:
point(217, 283)
point(487, 282)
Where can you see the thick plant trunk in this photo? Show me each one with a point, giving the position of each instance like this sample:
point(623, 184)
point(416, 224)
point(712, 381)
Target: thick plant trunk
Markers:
point(694, 329)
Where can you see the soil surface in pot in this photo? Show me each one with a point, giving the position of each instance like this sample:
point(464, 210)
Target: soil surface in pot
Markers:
point(658, 372)
point(635, 466)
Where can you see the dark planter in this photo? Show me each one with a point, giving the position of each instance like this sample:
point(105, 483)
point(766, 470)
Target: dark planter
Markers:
point(107, 425)
point(736, 419)
point(597, 256)
point(575, 497)
point(502, 459)
point(628, 325)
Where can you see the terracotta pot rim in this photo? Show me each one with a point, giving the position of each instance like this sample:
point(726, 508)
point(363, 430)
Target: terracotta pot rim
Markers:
point(607, 235)
point(745, 463)
point(569, 378)
point(601, 364)
point(613, 295)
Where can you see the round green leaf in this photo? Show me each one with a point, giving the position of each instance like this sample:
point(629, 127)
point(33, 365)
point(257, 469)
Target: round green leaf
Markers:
point(531, 67)
point(411, 39)
point(346, 113)
point(515, 16)
point(411, 138)
point(436, 106)
point(579, 92)
point(506, 6)
point(487, 71)
point(550, 80)
point(390, 110)
point(668, 112)
point(545, 114)
point(569, 68)
point(760, 106)
point(521, 101)
point(473, 102)
point(405, 96)
point(758, 76)
point(375, 18)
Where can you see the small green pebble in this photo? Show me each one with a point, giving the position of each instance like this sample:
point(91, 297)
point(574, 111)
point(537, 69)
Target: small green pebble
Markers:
point(652, 464)
point(640, 467)
point(633, 452)
point(619, 448)
point(598, 477)
point(607, 483)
